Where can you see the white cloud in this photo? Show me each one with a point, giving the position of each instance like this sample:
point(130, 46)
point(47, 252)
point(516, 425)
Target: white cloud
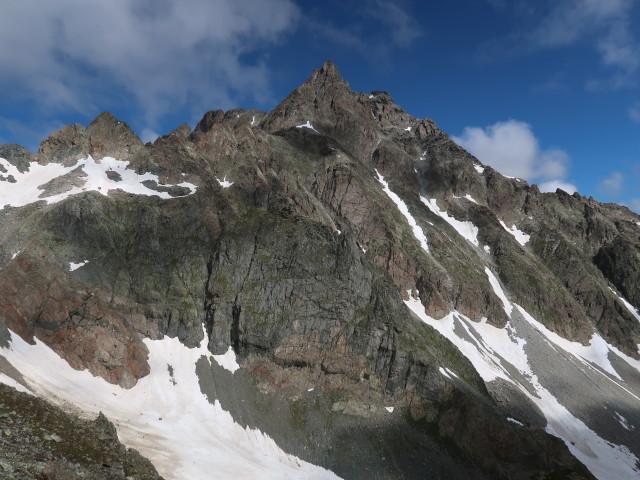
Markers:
point(148, 135)
point(552, 185)
point(403, 27)
point(162, 53)
point(606, 26)
point(380, 29)
point(511, 148)
point(613, 185)
point(634, 204)
point(570, 20)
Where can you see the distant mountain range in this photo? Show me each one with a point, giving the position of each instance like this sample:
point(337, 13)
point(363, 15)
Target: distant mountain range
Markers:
point(333, 289)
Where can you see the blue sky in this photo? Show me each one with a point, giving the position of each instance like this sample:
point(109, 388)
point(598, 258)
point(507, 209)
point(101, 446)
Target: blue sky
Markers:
point(547, 90)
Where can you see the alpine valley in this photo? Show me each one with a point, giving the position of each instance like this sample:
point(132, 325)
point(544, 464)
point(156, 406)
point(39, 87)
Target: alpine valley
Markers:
point(333, 289)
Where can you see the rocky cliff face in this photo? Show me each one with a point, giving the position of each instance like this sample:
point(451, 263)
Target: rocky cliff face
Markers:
point(298, 238)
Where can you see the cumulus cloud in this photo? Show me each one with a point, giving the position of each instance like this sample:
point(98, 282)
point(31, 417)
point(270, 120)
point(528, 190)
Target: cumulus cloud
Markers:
point(613, 185)
point(553, 185)
point(159, 53)
point(511, 148)
point(148, 135)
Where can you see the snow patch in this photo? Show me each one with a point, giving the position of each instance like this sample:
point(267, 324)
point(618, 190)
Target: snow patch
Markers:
point(487, 248)
point(468, 197)
point(447, 373)
point(15, 254)
point(495, 284)
point(633, 310)
point(478, 168)
point(408, 129)
point(623, 422)
point(224, 183)
point(597, 352)
point(423, 157)
point(194, 437)
point(7, 380)
point(91, 175)
point(307, 125)
point(491, 350)
point(466, 229)
point(227, 360)
point(404, 210)
point(521, 237)
point(253, 120)
point(389, 409)
point(75, 266)
point(513, 420)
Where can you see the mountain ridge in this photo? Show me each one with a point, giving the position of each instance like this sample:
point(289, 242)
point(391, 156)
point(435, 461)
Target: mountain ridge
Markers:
point(329, 244)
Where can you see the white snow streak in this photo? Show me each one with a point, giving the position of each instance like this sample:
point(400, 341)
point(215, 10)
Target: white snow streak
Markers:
point(521, 237)
point(495, 284)
point(91, 174)
point(468, 197)
point(513, 420)
point(307, 125)
point(478, 168)
point(596, 353)
point(404, 210)
point(75, 266)
point(447, 373)
point(633, 310)
point(224, 183)
point(227, 360)
point(7, 380)
point(604, 459)
point(623, 422)
point(15, 254)
point(466, 229)
point(167, 418)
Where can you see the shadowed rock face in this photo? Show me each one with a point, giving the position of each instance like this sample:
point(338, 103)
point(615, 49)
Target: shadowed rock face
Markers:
point(302, 265)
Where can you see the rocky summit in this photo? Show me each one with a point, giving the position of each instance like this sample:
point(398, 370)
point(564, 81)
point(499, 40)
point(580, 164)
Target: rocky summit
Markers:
point(333, 289)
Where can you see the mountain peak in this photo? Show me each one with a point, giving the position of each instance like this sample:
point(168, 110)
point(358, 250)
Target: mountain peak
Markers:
point(105, 117)
point(106, 121)
point(327, 74)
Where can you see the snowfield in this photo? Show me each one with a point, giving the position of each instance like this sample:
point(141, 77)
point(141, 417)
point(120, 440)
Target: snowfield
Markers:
point(165, 416)
point(465, 228)
point(86, 175)
point(521, 237)
point(496, 352)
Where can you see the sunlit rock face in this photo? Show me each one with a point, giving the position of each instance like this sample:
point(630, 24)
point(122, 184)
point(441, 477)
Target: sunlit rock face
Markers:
point(331, 289)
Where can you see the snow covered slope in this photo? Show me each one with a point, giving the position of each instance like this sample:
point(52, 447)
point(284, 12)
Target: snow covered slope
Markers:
point(568, 381)
point(19, 189)
point(165, 416)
